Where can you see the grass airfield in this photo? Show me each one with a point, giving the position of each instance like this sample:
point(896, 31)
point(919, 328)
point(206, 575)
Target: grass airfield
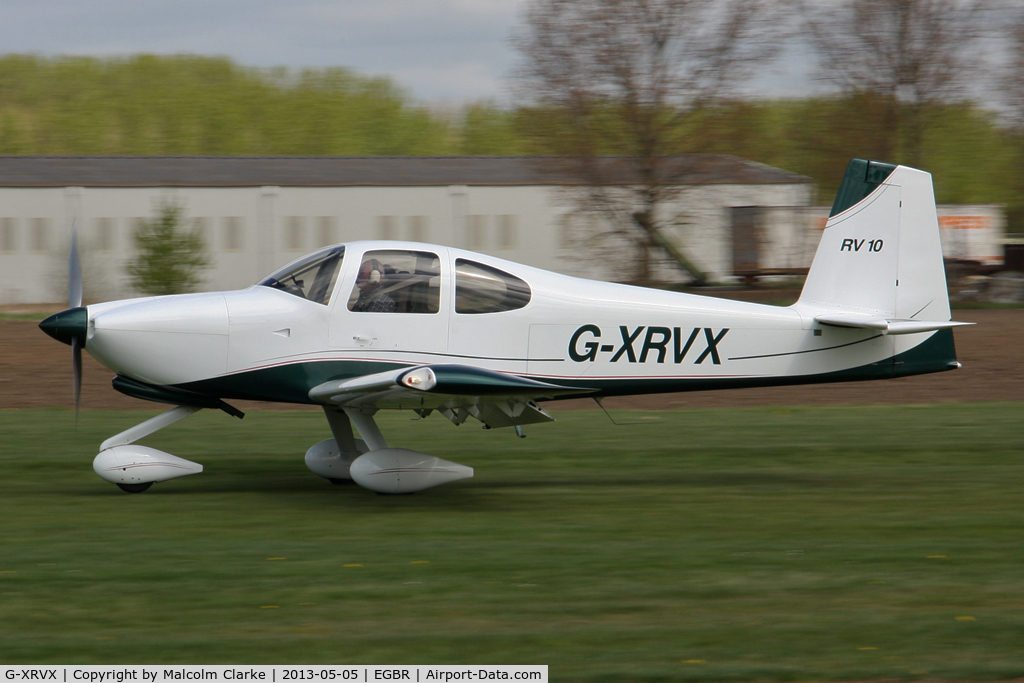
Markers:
point(732, 544)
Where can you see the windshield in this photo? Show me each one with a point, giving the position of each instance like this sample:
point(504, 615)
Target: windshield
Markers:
point(310, 277)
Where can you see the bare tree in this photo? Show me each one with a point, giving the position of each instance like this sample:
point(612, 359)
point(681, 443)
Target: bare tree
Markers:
point(1013, 89)
point(907, 53)
point(1013, 82)
point(611, 84)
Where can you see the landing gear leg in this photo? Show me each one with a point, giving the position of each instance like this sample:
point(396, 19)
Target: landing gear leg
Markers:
point(150, 426)
point(367, 428)
point(331, 459)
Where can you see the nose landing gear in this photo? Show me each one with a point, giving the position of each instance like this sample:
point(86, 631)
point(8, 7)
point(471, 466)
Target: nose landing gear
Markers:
point(135, 468)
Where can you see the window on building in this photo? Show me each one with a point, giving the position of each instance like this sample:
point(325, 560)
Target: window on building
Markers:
point(9, 235)
point(394, 281)
point(476, 226)
point(326, 234)
point(565, 232)
point(483, 289)
point(201, 227)
point(106, 236)
point(233, 233)
point(387, 227)
point(295, 233)
point(310, 277)
point(137, 225)
point(508, 237)
point(576, 229)
point(416, 228)
point(40, 235)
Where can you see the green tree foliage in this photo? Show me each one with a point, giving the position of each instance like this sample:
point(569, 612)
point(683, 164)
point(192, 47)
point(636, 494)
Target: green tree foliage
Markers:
point(489, 130)
point(968, 150)
point(170, 257)
point(205, 105)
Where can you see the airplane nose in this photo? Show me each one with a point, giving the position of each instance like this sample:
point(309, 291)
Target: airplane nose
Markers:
point(67, 325)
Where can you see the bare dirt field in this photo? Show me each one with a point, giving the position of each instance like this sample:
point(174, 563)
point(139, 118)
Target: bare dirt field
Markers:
point(35, 372)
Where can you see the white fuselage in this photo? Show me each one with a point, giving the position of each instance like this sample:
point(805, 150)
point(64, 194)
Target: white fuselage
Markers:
point(617, 338)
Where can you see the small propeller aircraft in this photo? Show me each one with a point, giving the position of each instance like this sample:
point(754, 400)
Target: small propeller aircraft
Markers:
point(366, 326)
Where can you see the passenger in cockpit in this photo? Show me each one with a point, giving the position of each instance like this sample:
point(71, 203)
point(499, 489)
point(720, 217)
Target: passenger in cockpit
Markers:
point(372, 297)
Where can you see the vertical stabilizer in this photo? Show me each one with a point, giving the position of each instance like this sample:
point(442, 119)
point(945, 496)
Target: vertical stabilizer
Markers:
point(880, 253)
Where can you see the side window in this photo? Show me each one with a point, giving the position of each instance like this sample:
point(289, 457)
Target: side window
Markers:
point(310, 277)
point(482, 289)
point(393, 281)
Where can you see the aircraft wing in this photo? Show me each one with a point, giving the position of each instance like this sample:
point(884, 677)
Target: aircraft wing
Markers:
point(884, 325)
point(456, 391)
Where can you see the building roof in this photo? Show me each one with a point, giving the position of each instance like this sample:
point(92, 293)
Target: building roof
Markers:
point(334, 171)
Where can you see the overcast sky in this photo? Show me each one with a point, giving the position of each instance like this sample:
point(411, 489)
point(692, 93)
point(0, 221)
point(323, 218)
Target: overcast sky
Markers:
point(441, 51)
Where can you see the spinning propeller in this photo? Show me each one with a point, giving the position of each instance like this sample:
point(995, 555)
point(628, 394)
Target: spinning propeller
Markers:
point(70, 326)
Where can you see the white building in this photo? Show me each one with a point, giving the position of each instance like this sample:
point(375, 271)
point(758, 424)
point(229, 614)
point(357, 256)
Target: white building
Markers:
point(256, 213)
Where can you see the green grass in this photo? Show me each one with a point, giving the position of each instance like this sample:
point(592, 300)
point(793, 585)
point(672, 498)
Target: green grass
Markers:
point(740, 544)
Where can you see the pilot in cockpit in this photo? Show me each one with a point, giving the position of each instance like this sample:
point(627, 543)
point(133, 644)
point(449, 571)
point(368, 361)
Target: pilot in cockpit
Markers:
point(372, 297)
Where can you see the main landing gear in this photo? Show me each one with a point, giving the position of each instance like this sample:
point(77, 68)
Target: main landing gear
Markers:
point(371, 463)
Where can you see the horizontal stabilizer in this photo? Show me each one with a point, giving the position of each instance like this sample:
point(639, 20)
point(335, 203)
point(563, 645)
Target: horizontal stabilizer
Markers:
point(884, 325)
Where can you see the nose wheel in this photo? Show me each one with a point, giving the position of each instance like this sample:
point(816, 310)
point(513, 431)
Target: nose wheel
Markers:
point(134, 488)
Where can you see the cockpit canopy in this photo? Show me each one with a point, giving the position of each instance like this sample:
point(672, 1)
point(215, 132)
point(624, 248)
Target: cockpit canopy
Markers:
point(310, 277)
point(401, 281)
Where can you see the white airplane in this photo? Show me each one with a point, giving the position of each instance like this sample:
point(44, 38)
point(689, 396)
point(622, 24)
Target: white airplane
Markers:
point(365, 326)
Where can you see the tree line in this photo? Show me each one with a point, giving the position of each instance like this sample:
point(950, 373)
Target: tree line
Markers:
point(204, 105)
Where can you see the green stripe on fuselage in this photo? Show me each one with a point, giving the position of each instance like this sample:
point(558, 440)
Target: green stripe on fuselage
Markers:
point(291, 383)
